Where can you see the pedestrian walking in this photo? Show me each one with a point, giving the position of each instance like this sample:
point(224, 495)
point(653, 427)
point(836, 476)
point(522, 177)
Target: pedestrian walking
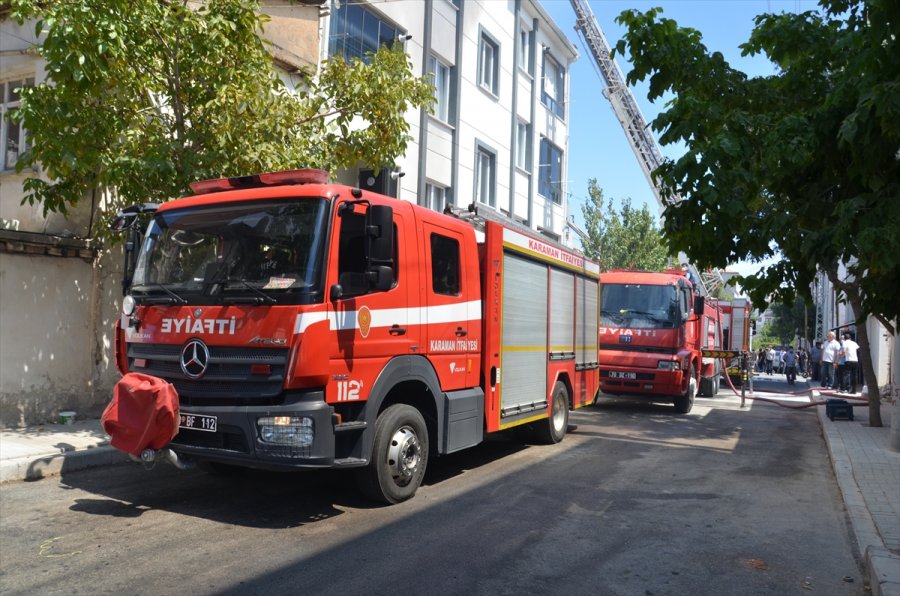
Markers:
point(789, 362)
point(851, 365)
point(829, 357)
point(770, 360)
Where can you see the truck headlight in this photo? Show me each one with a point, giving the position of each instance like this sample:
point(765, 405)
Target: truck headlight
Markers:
point(128, 305)
point(668, 365)
point(286, 430)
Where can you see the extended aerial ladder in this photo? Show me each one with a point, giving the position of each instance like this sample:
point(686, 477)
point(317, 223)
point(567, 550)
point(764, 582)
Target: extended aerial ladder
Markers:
point(642, 142)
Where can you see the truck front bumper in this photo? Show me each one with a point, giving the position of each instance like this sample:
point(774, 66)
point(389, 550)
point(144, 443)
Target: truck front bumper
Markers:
point(641, 382)
point(296, 434)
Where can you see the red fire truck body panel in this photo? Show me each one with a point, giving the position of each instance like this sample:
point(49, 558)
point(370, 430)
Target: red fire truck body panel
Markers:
point(291, 366)
point(651, 337)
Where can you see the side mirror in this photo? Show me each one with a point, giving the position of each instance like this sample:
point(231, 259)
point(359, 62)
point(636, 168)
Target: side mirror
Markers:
point(699, 305)
point(335, 293)
point(381, 278)
point(380, 230)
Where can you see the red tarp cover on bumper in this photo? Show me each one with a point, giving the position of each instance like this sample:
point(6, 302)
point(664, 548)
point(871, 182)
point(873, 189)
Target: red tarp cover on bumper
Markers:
point(143, 413)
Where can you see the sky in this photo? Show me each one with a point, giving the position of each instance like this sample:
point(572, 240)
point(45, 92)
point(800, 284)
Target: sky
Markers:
point(597, 144)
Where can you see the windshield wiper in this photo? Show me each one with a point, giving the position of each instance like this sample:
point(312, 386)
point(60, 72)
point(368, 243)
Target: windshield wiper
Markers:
point(260, 295)
point(173, 298)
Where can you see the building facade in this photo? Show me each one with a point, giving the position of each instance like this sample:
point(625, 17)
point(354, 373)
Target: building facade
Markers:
point(498, 134)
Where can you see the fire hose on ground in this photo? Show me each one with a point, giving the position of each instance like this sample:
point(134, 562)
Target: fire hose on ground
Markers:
point(745, 374)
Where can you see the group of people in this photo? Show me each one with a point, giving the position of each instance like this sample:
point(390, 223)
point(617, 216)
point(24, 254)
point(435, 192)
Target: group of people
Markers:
point(835, 362)
point(839, 363)
point(787, 361)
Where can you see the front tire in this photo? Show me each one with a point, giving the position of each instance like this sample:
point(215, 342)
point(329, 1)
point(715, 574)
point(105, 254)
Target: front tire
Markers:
point(399, 456)
point(553, 429)
point(684, 402)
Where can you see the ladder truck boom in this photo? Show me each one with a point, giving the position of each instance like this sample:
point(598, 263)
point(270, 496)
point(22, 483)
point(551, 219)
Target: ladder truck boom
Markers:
point(625, 107)
point(642, 142)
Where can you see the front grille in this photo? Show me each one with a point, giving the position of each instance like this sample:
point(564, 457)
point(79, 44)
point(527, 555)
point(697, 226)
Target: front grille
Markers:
point(228, 379)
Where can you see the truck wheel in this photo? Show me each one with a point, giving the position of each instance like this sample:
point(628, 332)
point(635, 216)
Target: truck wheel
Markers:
point(399, 456)
point(684, 403)
point(553, 429)
point(706, 386)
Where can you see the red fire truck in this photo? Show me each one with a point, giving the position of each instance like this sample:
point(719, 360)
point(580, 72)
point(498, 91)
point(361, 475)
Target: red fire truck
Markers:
point(307, 325)
point(653, 327)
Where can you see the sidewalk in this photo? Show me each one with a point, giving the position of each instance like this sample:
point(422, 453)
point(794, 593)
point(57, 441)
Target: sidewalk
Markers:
point(52, 449)
point(868, 474)
point(867, 471)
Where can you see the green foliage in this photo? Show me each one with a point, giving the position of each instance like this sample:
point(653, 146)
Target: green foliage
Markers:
point(145, 97)
point(787, 322)
point(803, 162)
point(629, 239)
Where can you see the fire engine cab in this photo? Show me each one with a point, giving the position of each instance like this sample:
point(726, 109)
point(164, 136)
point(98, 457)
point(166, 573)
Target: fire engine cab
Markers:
point(305, 324)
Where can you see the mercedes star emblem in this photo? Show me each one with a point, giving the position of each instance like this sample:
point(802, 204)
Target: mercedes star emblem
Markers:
point(194, 358)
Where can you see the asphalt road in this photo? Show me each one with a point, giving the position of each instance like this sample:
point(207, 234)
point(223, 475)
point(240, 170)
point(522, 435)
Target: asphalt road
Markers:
point(635, 501)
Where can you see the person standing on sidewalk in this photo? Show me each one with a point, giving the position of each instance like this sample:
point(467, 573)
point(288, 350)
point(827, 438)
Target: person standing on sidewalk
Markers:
point(770, 360)
point(789, 360)
point(829, 356)
point(851, 366)
point(840, 366)
point(815, 360)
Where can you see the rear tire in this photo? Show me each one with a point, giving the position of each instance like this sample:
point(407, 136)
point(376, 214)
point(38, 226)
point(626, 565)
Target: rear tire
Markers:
point(684, 402)
point(552, 429)
point(399, 456)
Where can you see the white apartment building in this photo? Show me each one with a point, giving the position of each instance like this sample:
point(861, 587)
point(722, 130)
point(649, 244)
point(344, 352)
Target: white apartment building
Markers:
point(499, 132)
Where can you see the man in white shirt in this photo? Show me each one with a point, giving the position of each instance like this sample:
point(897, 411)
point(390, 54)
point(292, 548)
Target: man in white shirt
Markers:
point(829, 357)
point(851, 353)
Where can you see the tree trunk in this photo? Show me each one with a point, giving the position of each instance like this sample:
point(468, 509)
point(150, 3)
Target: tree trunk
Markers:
point(862, 334)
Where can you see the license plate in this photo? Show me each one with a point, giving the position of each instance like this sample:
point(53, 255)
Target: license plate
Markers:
point(615, 374)
point(198, 422)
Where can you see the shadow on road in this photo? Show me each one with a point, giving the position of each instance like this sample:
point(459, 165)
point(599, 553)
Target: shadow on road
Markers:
point(251, 498)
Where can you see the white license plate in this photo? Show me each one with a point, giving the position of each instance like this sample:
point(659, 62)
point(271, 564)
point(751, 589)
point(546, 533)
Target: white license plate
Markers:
point(615, 374)
point(198, 422)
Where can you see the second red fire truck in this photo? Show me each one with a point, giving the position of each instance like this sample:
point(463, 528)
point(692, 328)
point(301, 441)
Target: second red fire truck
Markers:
point(653, 328)
point(306, 325)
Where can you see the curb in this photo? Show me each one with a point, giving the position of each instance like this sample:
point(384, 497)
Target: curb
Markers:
point(36, 467)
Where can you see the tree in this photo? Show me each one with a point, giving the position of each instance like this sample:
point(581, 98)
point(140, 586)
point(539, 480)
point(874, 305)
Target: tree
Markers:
point(801, 163)
point(788, 322)
point(145, 97)
point(629, 239)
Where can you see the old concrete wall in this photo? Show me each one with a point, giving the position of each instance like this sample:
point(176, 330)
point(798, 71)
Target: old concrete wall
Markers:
point(56, 341)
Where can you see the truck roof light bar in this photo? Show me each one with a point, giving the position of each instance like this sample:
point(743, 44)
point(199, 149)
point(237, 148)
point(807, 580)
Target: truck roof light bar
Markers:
point(307, 176)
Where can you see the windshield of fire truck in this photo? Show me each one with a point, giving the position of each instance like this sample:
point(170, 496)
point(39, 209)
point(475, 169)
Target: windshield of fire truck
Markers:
point(638, 306)
point(264, 250)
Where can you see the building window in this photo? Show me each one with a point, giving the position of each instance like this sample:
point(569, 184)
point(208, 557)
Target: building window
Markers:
point(524, 58)
point(485, 176)
point(522, 145)
point(356, 30)
point(435, 197)
point(550, 171)
point(15, 139)
point(489, 64)
point(553, 86)
point(441, 89)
